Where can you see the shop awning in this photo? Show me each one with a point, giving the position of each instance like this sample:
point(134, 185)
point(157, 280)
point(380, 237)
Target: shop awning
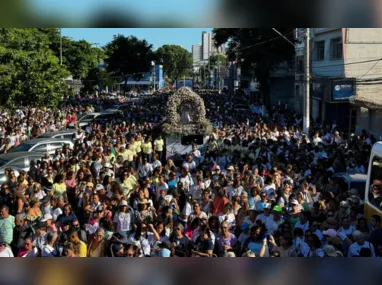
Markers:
point(360, 101)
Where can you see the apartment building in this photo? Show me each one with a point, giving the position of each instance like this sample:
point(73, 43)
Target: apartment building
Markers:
point(344, 77)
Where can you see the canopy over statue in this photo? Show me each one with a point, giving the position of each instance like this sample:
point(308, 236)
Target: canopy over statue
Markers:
point(186, 114)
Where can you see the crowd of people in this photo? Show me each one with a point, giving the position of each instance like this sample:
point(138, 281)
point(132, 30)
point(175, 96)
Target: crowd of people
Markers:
point(258, 188)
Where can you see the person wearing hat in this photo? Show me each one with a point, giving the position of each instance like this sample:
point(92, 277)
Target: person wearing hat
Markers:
point(46, 207)
point(48, 220)
point(108, 169)
point(330, 251)
point(273, 224)
point(123, 219)
point(145, 213)
point(266, 216)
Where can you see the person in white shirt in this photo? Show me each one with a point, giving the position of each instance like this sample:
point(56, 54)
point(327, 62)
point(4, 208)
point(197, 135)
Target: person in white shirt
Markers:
point(197, 190)
point(41, 234)
point(49, 249)
point(235, 190)
point(266, 216)
point(355, 248)
point(5, 251)
point(196, 154)
point(189, 163)
point(123, 219)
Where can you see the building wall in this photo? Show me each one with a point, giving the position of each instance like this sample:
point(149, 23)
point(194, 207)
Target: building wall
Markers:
point(196, 53)
point(327, 66)
point(365, 45)
point(206, 45)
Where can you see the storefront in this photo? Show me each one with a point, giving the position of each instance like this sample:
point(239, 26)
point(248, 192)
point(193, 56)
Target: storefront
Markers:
point(338, 109)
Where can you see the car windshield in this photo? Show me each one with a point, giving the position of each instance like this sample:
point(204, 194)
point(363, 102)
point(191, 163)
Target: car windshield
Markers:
point(22, 147)
point(3, 162)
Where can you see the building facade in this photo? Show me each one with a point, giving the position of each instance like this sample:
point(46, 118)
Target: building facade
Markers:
point(206, 45)
point(345, 85)
point(196, 54)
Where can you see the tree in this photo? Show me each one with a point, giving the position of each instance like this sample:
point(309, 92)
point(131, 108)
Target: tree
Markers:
point(79, 57)
point(128, 56)
point(97, 77)
point(260, 50)
point(176, 61)
point(30, 72)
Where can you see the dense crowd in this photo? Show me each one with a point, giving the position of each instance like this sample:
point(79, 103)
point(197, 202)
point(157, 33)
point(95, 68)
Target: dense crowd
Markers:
point(258, 188)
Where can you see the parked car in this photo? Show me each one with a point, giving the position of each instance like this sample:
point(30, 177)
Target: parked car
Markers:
point(17, 161)
point(64, 134)
point(353, 181)
point(98, 118)
point(42, 145)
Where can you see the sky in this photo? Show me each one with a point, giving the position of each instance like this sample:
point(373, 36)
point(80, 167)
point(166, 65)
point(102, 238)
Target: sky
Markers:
point(186, 37)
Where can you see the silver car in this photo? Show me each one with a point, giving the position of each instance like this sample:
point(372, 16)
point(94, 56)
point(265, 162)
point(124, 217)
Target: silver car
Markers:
point(65, 134)
point(42, 145)
point(18, 161)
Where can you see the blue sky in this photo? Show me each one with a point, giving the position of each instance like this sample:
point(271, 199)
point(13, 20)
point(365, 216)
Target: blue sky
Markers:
point(185, 37)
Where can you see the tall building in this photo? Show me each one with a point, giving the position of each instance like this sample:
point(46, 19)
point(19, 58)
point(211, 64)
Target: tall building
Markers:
point(206, 45)
point(196, 54)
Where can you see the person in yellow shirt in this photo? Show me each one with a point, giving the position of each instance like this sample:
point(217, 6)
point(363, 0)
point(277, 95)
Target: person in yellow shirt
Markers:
point(147, 149)
point(158, 147)
point(80, 247)
point(128, 183)
point(138, 144)
point(130, 154)
point(59, 187)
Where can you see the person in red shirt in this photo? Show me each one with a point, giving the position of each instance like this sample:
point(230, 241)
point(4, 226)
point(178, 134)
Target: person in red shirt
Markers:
point(220, 201)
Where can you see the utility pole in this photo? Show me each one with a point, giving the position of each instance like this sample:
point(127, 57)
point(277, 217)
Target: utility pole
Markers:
point(306, 119)
point(60, 46)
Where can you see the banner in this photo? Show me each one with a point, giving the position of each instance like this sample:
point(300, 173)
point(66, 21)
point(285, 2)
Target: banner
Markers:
point(342, 90)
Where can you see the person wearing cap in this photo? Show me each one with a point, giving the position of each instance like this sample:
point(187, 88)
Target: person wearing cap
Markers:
point(123, 219)
point(108, 169)
point(273, 224)
point(355, 248)
point(48, 220)
point(265, 217)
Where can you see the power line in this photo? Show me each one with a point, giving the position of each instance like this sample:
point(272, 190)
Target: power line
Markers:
point(285, 38)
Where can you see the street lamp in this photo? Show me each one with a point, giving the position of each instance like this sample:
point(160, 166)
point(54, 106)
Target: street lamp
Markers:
point(153, 65)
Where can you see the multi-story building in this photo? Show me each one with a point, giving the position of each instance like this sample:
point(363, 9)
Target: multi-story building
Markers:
point(197, 54)
point(344, 73)
point(206, 45)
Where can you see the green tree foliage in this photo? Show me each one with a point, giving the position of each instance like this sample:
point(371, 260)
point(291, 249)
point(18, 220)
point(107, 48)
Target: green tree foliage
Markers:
point(30, 73)
point(79, 57)
point(260, 50)
point(176, 61)
point(128, 56)
point(97, 78)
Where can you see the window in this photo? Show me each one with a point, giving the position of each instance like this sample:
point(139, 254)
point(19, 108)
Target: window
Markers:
point(300, 64)
point(375, 186)
point(320, 50)
point(18, 163)
point(41, 147)
point(336, 48)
